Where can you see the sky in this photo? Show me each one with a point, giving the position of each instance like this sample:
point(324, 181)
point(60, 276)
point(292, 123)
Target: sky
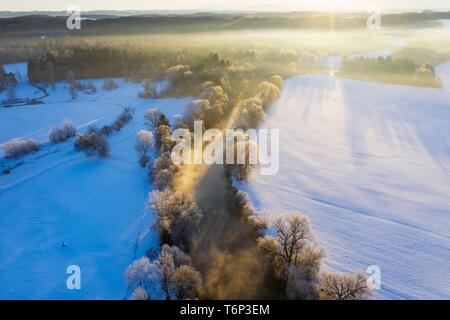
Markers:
point(213, 5)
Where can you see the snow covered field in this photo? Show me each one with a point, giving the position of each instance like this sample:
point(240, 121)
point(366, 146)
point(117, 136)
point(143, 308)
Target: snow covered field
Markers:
point(370, 165)
point(96, 206)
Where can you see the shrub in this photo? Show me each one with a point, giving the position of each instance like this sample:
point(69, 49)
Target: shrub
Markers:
point(186, 282)
point(177, 213)
point(57, 134)
point(69, 129)
point(252, 113)
point(18, 148)
point(93, 143)
point(148, 90)
point(338, 286)
point(257, 224)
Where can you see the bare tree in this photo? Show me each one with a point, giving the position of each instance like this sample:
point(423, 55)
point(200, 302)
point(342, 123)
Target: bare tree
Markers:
point(56, 135)
point(338, 286)
point(293, 233)
point(151, 118)
point(69, 129)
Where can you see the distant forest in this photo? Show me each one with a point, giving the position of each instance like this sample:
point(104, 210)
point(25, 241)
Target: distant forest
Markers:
point(39, 25)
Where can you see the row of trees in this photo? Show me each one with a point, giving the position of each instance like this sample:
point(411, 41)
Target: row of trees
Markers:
point(292, 257)
point(171, 274)
point(387, 65)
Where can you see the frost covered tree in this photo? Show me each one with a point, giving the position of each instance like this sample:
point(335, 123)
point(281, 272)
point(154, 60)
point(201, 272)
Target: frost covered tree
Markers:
point(69, 129)
point(186, 282)
point(304, 277)
point(338, 286)
point(178, 215)
point(166, 269)
point(164, 139)
point(245, 155)
point(293, 257)
point(163, 171)
point(251, 113)
point(257, 224)
point(163, 179)
point(151, 119)
point(16, 148)
point(195, 111)
point(148, 90)
point(137, 273)
point(144, 143)
point(277, 80)
point(268, 93)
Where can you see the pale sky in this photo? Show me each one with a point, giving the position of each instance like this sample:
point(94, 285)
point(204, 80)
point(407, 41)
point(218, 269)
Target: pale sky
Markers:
point(202, 5)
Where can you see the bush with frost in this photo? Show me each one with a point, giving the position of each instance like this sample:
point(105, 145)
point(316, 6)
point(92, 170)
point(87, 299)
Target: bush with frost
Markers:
point(58, 134)
point(178, 215)
point(17, 148)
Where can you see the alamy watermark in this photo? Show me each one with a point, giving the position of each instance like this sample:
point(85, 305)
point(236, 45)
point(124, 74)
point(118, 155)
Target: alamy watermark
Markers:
point(73, 21)
point(374, 278)
point(252, 146)
point(73, 281)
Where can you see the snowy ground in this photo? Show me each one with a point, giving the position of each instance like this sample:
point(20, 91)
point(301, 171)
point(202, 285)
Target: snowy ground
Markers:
point(96, 206)
point(370, 165)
